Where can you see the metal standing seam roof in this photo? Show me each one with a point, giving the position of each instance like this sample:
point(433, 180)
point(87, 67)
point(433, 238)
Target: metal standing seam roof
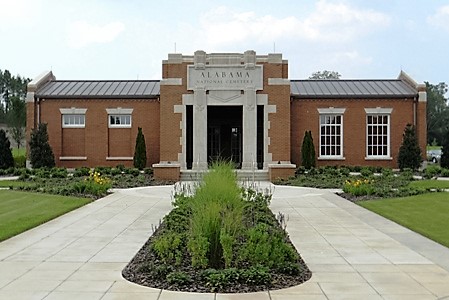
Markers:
point(136, 89)
point(342, 88)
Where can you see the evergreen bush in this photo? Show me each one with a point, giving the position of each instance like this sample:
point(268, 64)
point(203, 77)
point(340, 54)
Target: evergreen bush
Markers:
point(308, 151)
point(140, 152)
point(6, 159)
point(444, 162)
point(409, 152)
point(41, 154)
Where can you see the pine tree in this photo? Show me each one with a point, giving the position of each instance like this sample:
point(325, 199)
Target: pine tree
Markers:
point(6, 159)
point(445, 152)
point(41, 154)
point(308, 151)
point(140, 152)
point(409, 152)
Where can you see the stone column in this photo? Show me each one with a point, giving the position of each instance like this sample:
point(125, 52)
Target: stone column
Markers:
point(199, 129)
point(249, 129)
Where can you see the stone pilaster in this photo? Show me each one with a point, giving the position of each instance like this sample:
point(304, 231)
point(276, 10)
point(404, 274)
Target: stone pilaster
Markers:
point(200, 129)
point(249, 129)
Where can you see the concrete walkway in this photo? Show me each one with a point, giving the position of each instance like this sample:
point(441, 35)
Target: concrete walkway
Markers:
point(353, 253)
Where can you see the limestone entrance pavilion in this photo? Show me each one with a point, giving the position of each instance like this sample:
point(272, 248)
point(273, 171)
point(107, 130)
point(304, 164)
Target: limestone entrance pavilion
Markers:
point(240, 107)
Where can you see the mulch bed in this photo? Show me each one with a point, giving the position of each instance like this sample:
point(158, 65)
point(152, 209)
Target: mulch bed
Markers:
point(135, 272)
point(355, 199)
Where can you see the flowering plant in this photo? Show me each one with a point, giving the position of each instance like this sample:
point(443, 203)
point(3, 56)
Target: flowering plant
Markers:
point(359, 187)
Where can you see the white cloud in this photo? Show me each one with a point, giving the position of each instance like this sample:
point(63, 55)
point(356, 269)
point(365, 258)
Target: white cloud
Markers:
point(82, 34)
point(328, 22)
point(441, 18)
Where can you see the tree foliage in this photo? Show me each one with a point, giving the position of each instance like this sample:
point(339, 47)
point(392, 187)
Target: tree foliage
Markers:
point(437, 112)
point(308, 151)
point(41, 154)
point(445, 151)
point(6, 159)
point(15, 119)
point(409, 152)
point(325, 75)
point(11, 87)
point(140, 152)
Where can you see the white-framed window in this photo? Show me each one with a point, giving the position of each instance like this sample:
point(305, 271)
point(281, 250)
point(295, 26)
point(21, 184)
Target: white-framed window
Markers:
point(119, 120)
point(73, 117)
point(331, 133)
point(378, 133)
point(119, 117)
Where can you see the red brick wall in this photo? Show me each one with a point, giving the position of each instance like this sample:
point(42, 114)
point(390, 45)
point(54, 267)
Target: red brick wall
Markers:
point(278, 95)
point(305, 116)
point(96, 140)
point(171, 95)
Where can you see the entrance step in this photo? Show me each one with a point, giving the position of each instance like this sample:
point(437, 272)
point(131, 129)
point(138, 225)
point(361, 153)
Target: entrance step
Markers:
point(242, 175)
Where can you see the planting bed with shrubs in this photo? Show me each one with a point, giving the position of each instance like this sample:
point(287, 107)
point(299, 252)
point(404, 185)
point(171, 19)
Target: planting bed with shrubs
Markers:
point(83, 182)
point(219, 237)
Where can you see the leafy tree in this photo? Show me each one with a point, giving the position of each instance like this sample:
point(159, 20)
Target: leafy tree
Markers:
point(6, 159)
point(41, 154)
point(16, 118)
point(445, 152)
point(308, 151)
point(437, 112)
point(11, 87)
point(140, 152)
point(409, 152)
point(325, 75)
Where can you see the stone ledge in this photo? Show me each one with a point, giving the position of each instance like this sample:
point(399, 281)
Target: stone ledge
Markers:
point(73, 158)
point(119, 158)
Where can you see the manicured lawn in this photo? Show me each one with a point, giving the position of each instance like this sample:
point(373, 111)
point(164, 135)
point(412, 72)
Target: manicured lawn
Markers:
point(427, 214)
point(20, 211)
point(430, 184)
point(14, 183)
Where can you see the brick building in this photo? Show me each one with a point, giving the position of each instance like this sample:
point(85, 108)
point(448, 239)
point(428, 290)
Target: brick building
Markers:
point(234, 106)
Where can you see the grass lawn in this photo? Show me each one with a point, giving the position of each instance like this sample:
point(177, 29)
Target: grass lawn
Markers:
point(430, 184)
point(20, 211)
point(14, 183)
point(426, 214)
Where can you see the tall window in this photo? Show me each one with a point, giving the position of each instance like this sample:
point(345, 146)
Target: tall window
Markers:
point(73, 117)
point(331, 133)
point(378, 135)
point(331, 141)
point(119, 117)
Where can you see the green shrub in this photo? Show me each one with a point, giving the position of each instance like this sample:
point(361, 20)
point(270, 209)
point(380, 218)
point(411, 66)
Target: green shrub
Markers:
point(359, 187)
point(6, 158)
point(59, 173)
point(366, 171)
point(148, 171)
point(140, 151)
point(308, 151)
point(20, 161)
point(132, 171)
point(178, 278)
point(432, 171)
point(41, 154)
point(344, 171)
point(444, 172)
point(80, 172)
point(409, 153)
point(169, 247)
point(257, 275)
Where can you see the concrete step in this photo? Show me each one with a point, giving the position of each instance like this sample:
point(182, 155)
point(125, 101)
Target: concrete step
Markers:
point(242, 175)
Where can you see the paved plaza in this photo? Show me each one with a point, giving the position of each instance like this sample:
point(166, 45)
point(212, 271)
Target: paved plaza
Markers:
point(352, 253)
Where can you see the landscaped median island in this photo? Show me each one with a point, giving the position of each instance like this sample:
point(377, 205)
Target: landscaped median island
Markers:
point(219, 237)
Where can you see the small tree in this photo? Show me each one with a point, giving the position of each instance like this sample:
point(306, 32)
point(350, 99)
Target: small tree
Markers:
point(6, 159)
point(140, 152)
point(308, 151)
point(16, 119)
point(445, 152)
point(41, 154)
point(409, 152)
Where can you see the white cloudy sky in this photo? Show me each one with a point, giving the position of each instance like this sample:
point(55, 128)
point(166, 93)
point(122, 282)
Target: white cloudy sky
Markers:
point(119, 39)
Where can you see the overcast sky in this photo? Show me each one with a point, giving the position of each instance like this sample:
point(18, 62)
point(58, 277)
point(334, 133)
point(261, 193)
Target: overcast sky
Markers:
point(115, 39)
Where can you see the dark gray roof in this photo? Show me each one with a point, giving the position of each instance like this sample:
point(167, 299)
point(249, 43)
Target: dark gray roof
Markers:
point(339, 88)
point(137, 89)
